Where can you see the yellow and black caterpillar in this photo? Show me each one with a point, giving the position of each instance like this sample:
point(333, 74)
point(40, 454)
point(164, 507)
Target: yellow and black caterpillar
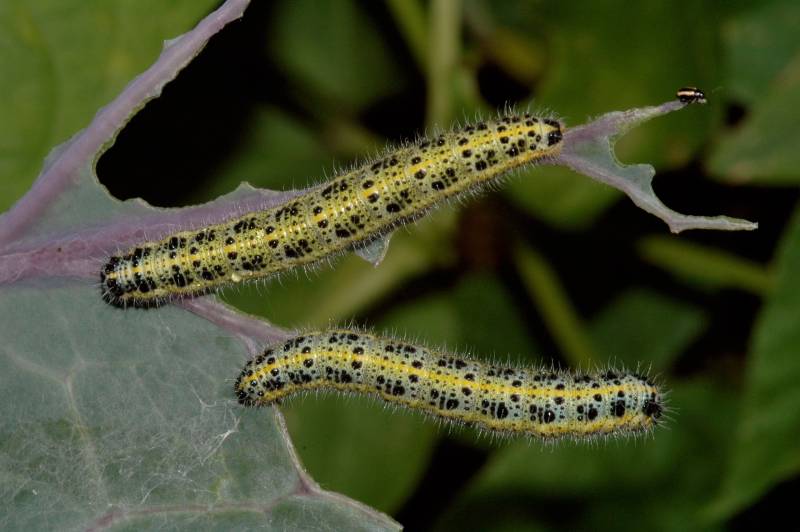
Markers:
point(350, 211)
point(542, 403)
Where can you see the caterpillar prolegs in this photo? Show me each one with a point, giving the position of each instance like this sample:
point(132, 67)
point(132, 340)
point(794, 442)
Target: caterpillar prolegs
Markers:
point(542, 403)
point(352, 210)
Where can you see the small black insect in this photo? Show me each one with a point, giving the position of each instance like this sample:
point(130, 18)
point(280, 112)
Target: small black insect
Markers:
point(691, 95)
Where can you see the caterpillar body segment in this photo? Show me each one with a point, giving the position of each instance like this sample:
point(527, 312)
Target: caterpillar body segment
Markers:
point(542, 403)
point(348, 212)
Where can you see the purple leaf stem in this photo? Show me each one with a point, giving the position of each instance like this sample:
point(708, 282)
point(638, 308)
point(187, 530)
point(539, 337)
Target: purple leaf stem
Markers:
point(62, 167)
point(255, 333)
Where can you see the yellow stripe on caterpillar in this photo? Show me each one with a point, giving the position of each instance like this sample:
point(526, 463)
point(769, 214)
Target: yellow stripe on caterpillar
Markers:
point(545, 404)
point(351, 210)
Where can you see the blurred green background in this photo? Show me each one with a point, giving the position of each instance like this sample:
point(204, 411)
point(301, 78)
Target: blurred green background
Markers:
point(554, 268)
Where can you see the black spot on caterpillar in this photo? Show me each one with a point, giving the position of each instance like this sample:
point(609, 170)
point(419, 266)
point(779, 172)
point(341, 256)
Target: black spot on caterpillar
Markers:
point(545, 404)
point(353, 210)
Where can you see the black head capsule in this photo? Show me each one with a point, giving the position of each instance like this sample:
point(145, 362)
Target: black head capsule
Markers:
point(691, 95)
point(554, 137)
point(652, 409)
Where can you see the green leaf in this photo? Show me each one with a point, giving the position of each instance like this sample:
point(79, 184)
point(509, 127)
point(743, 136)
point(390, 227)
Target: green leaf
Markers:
point(763, 150)
point(759, 42)
point(764, 72)
point(128, 418)
point(359, 447)
point(704, 266)
point(644, 327)
point(332, 49)
point(765, 450)
point(62, 61)
point(588, 53)
point(659, 482)
point(591, 69)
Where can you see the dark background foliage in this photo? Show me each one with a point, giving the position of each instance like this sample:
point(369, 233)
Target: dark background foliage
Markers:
point(553, 268)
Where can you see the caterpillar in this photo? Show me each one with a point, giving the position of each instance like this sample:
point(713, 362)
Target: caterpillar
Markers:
point(544, 404)
point(354, 211)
